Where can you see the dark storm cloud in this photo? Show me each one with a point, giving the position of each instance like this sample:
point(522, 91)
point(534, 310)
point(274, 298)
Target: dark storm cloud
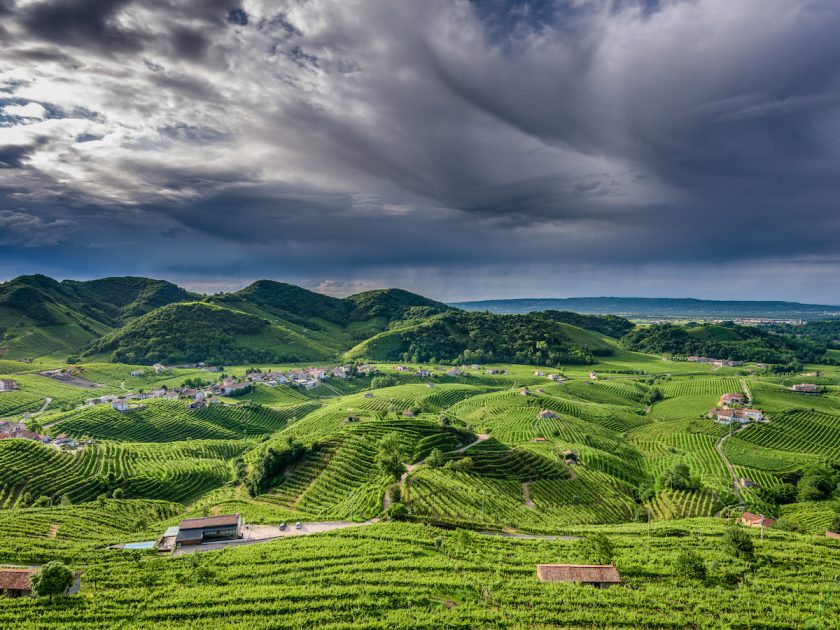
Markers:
point(493, 138)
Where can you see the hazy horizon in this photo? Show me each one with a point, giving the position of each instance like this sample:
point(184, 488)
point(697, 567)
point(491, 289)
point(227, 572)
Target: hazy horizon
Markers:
point(462, 150)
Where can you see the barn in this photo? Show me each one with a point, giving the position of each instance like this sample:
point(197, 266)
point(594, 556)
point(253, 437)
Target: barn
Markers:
point(598, 575)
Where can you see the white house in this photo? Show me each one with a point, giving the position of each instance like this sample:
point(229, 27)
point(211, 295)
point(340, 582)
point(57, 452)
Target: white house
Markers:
point(8, 384)
point(136, 372)
point(539, 373)
point(158, 368)
point(423, 372)
point(120, 405)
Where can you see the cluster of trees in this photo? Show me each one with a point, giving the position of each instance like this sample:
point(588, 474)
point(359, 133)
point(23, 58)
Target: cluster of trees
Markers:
point(723, 341)
point(462, 337)
point(825, 333)
point(678, 477)
point(272, 464)
point(390, 454)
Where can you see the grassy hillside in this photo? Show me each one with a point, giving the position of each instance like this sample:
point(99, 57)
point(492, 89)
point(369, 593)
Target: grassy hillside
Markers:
point(199, 331)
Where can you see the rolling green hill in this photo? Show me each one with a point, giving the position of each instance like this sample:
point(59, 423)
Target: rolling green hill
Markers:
point(41, 316)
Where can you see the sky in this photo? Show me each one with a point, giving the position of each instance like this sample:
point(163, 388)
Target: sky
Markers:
point(461, 149)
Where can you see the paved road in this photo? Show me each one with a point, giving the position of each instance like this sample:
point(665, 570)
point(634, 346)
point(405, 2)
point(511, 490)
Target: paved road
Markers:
point(528, 536)
point(254, 534)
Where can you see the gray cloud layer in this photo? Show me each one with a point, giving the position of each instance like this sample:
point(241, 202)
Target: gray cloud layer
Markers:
point(465, 149)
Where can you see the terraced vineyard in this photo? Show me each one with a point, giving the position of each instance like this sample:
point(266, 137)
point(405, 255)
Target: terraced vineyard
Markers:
point(433, 579)
point(170, 420)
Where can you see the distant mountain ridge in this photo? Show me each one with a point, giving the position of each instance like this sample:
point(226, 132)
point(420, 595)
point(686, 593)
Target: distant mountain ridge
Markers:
point(657, 307)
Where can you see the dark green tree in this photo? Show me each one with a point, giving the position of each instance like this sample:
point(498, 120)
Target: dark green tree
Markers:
point(52, 579)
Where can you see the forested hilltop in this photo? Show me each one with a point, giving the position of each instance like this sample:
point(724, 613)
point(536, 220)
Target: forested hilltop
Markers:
point(727, 341)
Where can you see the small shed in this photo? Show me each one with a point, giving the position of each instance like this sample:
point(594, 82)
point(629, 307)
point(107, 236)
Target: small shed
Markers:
point(17, 582)
point(598, 575)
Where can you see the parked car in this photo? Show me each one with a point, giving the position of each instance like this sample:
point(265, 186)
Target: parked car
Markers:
point(298, 525)
point(282, 526)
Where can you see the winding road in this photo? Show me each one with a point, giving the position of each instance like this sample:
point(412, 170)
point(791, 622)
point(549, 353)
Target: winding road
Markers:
point(404, 483)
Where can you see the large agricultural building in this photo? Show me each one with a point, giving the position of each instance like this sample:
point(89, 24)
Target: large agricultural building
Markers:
point(194, 531)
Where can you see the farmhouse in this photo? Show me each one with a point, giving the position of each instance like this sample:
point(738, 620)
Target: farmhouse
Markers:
point(17, 582)
point(593, 376)
point(453, 372)
point(369, 395)
point(755, 520)
point(230, 386)
point(408, 413)
point(553, 377)
point(194, 531)
point(525, 391)
point(8, 384)
point(731, 399)
point(806, 388)
point(728, 416)
point(753, 414)
point(746, 482)
point(599, 575)
point(539, 373)
point(546, 413)
point(120, 405)
point(726, 363)
point(158, 368)
point(423, 372)
point(570, 457)
point(496, 371)
point(136, 373)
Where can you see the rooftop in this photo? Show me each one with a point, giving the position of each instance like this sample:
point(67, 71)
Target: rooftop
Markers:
point(16, 579)
point(209, 521)
point(582, 573)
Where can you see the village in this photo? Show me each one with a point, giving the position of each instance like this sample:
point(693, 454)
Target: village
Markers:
point(715, 362)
